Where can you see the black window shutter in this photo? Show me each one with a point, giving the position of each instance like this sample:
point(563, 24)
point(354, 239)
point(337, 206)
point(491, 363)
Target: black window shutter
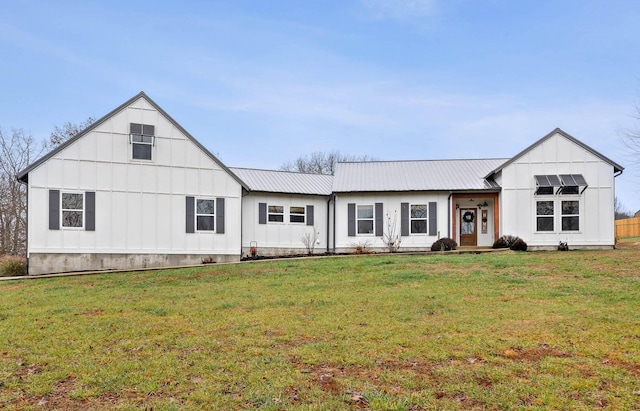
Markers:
point(379, 220)
point(190, 213)
point(90, 210)
point(220, 215)
point(54, 209)
point(433, 218)
point(262, 213)
point(404, 219)
point(309, 215)
point(351, 219)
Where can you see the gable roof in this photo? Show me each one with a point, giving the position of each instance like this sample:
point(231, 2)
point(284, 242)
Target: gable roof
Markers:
point(24, 174)
point(616, 167)
point(415, 175)
point(286, 182)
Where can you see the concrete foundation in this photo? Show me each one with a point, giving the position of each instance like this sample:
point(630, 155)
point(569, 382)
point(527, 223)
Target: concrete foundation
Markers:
point(49, 263)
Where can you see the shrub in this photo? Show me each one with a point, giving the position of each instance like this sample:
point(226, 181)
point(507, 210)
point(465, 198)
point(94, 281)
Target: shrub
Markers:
point(444, 244)
point(11, 265)
point(519, 245)
point(506, 241)
point(362, 247)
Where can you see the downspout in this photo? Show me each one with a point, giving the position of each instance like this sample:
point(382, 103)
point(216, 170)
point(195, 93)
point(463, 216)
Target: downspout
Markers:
point(328, 222)
point(333, 196)
point(449, 214)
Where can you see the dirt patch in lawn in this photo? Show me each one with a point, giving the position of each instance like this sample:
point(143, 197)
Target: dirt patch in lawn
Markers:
point(532, 354)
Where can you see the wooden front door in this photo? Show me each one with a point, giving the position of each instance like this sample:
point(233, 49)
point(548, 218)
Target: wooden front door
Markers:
point(468, 227)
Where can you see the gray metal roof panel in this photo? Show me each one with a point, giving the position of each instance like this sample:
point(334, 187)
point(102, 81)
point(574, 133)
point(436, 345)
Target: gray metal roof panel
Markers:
point(286, 182)
point(415, 175)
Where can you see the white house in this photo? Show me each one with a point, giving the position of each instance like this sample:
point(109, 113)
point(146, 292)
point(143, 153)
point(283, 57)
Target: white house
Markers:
point(284, 212)
point(133, 190)
point(136, 190)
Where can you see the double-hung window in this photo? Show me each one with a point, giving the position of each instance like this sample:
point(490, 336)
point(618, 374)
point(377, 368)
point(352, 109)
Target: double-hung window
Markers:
point(418, 218)
point(570, 215)
point(275, 214)
point(365, 219)
point(296, 214)
point(142, 140)
point(72, 206)
point(545, 215)
point(205, 215)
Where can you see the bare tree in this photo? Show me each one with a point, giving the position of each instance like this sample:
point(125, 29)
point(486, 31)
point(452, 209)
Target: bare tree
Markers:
point(619, 211)
point(321, 162)
point(17, 150)
point(61, 134)
point(309, 239)
point(391, 237)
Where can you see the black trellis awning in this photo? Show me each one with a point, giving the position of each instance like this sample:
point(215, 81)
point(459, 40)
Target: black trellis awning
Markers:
point(548, 181)
point(566, 183)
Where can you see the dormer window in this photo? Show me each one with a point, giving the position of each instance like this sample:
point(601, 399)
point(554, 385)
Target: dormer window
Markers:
point(142, 139)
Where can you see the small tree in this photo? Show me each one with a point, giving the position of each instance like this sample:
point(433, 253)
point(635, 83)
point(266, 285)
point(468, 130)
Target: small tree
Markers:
point(390, 237)
point(321, 162)
point(61, 134)
point(309, 239)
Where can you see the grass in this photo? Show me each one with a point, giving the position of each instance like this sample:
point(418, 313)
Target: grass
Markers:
point(527, 331)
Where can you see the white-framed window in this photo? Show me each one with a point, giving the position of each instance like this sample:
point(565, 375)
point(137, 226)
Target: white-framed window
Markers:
point(570, 215)
point(72, 209)
point(275, 213)
point(205, 214)
point(545, 215)
point(142, 139)
point(418, 217)
point(364, 219)
point(296, 214)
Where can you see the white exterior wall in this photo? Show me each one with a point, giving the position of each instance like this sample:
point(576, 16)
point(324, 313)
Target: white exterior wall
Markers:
point(391, 205)
point(558, 155)
point(140, 205)
point(275, 238)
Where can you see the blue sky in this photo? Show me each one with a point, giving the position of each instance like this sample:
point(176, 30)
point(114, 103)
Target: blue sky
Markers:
point(263, 82)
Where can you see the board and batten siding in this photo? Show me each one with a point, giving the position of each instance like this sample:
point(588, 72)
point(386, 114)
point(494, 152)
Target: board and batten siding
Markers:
point(558, 155)
point(139, 205)
point(389, 204)
point(281, 238)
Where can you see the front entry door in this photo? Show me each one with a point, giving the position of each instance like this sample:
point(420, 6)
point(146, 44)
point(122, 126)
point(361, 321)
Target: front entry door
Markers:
point(468, 226)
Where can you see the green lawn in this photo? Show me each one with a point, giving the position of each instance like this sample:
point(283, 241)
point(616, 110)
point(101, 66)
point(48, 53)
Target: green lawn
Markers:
point(384, 332)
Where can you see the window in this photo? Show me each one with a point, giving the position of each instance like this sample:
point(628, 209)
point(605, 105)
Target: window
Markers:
point(418, 219)
point(544, 215)
point(570, 190)
point(365, 219)
point(205, 217)
point(276, 214)
point(296, 214)
point(570, 216)
point(142, 140)
point(72, 210)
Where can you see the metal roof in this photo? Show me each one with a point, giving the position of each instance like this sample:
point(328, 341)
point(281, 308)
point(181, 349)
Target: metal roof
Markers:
point(417, 175)
point(287, 182)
